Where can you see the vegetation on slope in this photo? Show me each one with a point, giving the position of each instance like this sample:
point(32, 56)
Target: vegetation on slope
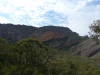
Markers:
point(30, 57)
point(26, 57)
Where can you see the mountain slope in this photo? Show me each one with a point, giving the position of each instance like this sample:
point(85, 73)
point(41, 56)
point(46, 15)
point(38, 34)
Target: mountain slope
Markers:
point(48, 32)
point(53, 36)
point(64, 42)
point(13, 33)
point(88, 48)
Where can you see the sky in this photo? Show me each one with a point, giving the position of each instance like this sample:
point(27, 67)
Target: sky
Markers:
point(74, 14)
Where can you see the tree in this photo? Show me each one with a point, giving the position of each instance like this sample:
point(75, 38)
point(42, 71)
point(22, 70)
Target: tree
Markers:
point(29, 57)
point(3, 50)
point(95, 30)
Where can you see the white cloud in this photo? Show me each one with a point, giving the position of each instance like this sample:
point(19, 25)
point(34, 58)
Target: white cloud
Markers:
point(75, 14)
point(89, 0)
point(4, 20)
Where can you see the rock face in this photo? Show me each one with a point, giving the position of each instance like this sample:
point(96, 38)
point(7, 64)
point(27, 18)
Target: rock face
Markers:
point(64, 42)
point(53, 36)
point(13, 33)
point(88, 48)
point(48, 32)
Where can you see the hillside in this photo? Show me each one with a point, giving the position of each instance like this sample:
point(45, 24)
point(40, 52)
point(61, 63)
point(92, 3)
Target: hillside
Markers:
point(88, 48)
point(13, 33)
point(53, 36)
point(31, 57)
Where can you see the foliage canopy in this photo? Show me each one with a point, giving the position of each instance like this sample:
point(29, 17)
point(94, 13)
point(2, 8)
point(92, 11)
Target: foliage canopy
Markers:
point(31, 57)
point(95, 30)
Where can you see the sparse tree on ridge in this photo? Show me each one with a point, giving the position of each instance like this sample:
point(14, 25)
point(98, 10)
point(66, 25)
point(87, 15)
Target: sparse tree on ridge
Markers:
point(95, 30)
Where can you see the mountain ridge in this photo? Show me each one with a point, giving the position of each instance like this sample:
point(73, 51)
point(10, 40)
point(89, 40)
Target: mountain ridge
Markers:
point(52, 36)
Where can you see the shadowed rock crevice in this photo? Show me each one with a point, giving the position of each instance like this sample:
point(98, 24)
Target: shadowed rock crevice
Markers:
point(94, 52)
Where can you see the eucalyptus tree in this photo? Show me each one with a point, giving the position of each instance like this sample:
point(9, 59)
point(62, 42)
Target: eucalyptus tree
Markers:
point(95, 30)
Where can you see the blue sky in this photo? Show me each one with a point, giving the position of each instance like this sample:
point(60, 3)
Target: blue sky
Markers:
point(75, 14)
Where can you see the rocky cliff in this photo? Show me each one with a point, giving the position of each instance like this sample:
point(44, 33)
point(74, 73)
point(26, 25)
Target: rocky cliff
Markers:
point(88, 48)
point(53, 36)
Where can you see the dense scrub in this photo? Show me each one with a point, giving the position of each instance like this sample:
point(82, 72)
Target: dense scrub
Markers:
point(77, 65)
point(26, 57)
point(30, 57)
